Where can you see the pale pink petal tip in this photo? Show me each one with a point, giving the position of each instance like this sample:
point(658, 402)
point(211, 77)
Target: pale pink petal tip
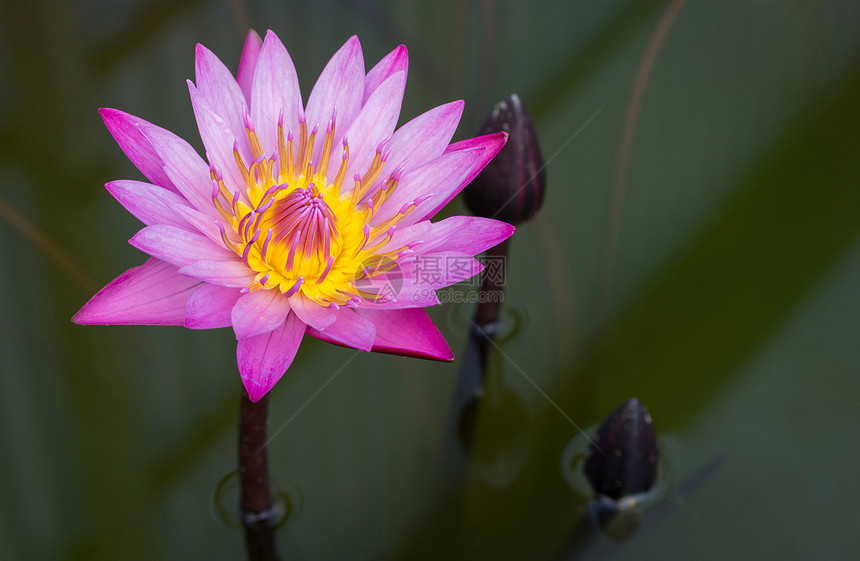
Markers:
point(341, 85)
point(395, 61)
point(148, 203)
point(125, 128)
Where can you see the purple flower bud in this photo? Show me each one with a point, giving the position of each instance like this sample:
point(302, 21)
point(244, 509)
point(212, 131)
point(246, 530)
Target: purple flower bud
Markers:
point(622, 458)
point(511, 187)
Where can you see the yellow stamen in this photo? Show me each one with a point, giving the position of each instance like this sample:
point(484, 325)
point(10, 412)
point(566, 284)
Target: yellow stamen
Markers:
point(301, 232)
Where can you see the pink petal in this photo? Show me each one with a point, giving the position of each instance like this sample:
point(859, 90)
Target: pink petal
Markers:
point(248, 63)
point(209, 307)
point(438, 181)
point(219, 88)
point(178, 246)
point(464, 234)
point(265, 358)
point(394, 62)
point(425, 137)
point(491, 144)
point(470, 143)
point(148, 203)
point(348, 330)
point(204, 223)
point(374, 123)
point(275, 91)
point(412, 235)
point(408, 332)
point(341, 86)
point(124, 128)
point(219, 139)
point(183, 166)
point(312, 313)
point(152, 294)
point(259, 312)
point(224, 273)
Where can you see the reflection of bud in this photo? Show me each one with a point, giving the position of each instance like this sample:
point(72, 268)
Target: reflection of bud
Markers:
point(511, 187)
point(622, 458)
point(500, 421)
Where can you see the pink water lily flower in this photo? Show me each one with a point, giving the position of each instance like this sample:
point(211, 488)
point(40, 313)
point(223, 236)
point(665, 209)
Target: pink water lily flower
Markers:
point(307, 218)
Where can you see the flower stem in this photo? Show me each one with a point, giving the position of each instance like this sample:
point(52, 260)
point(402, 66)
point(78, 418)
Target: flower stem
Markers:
point(256, 508)
point(486, 322)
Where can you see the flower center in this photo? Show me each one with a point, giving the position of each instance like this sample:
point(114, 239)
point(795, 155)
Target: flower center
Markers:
point(301, 231)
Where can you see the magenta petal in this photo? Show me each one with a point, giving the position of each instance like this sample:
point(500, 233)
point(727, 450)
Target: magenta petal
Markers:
point(183, 166)
point(265, 358)
point(349, 330)
point(408, 332)
point(375, 121)
point(312, 313)
point(392, 63)
point(224, 273)
point(248, 63)
point(152, 294)
point(485, 141)
point(340, 85)
point(217, 85)
point(275, 91)
point(490, 144)
point(209, 307)
point(259, 312)
point(148, 203)
point(464, 234)
point(425, 137)
point(125, 129)
point(178, 246)
point(437, 182)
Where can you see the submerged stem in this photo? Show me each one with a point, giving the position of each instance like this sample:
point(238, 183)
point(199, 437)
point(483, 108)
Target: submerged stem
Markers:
point(255, 502)
point(487, 314)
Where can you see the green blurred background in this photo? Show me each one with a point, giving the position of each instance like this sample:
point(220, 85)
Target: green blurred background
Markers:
point(699, 248)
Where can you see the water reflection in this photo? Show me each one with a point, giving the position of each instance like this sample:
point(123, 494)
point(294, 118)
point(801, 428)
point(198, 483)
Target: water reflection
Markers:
point(225, 502)
point(489, 421)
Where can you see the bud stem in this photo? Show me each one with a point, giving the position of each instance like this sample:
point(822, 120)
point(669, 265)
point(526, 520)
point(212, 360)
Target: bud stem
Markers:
point(486, 322)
